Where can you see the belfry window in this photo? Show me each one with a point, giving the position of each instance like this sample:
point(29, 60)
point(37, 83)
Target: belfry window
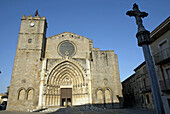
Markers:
point(29, 40)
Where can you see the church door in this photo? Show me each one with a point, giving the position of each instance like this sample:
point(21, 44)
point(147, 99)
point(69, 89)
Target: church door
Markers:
point(66, 97)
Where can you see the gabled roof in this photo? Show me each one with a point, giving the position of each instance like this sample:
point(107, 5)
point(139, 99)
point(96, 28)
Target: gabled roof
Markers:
point(67, 32)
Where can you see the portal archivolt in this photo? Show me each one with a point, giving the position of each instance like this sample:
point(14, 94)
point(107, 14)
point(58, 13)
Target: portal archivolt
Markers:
point(65, 74)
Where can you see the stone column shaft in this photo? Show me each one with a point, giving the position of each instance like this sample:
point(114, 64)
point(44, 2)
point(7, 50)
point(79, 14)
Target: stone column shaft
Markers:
point(89, 80)
point(40, 104)
point(153, 80)
point(144, 40)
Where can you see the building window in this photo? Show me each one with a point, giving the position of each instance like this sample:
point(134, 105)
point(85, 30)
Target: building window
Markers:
point(140, 82)
point(144, 82)
point(168, 73)
point(144, 70)
point(163, 45)
point(142, 99)
point(29, 40)
point(169, 102)
point(148, 100)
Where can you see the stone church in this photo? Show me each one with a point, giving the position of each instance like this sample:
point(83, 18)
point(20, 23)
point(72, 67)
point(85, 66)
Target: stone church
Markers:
point(61, 70)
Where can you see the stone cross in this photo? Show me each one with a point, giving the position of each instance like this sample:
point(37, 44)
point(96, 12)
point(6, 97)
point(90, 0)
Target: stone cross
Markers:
point(138, 15)
point(66, 53)
point(143, 37)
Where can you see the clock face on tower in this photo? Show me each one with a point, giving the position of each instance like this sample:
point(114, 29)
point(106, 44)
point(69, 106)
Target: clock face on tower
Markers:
point(66, 48)
point(32, 24)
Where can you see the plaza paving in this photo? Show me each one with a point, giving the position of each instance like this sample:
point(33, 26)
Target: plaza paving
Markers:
point(86, 110)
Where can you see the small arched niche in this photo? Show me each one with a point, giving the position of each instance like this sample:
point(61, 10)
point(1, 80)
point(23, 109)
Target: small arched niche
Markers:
point(21, 94)
point(30, 94)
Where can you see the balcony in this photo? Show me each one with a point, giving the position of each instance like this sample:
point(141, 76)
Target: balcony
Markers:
point(162, 57)
point(165, 85)
point(146, 89)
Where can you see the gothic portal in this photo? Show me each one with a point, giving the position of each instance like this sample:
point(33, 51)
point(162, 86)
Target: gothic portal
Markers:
point(61, 70)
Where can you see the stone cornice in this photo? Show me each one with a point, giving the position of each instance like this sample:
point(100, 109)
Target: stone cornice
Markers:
point(161, 29)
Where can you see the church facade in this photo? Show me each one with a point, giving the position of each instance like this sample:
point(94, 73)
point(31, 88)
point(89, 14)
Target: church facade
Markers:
point(61, 70)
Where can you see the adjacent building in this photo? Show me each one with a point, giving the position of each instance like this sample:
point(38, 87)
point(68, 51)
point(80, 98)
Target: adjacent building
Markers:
point(136, 88)
point(4, 96)
point(64, 69)
point(160, 49)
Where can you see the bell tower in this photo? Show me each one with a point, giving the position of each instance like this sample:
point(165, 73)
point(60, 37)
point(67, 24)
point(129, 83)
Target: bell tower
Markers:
point(33, 33)
point(25, 81)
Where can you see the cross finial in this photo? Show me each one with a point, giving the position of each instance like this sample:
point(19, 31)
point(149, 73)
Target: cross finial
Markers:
point(36, 13)
point(135, 6)
point(67, 53)
point(138, 15)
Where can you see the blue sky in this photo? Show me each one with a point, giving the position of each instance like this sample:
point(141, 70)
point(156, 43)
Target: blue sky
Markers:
point(103, 21)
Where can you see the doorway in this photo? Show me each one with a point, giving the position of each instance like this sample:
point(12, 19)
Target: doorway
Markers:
point(66, 97)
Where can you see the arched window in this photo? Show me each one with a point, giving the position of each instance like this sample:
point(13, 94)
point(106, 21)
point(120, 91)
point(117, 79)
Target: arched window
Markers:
point(100, 96)
point(21, 94)
point(108, 96)
point(30, 94)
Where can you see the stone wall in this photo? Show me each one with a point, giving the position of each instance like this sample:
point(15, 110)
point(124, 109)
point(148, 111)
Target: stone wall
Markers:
point(41, 68)
point(24, 87)
point(137, 90)
point(81, 44)
point(106, 86)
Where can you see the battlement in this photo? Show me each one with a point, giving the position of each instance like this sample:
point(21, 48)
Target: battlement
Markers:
point(30, 17)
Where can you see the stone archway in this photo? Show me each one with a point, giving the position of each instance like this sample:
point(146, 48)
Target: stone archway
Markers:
point(100, 99)
point(65, 74)
point(108, 96)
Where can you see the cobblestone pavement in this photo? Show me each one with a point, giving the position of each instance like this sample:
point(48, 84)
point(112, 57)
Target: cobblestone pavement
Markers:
point(86, 110)
point(95, 110)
